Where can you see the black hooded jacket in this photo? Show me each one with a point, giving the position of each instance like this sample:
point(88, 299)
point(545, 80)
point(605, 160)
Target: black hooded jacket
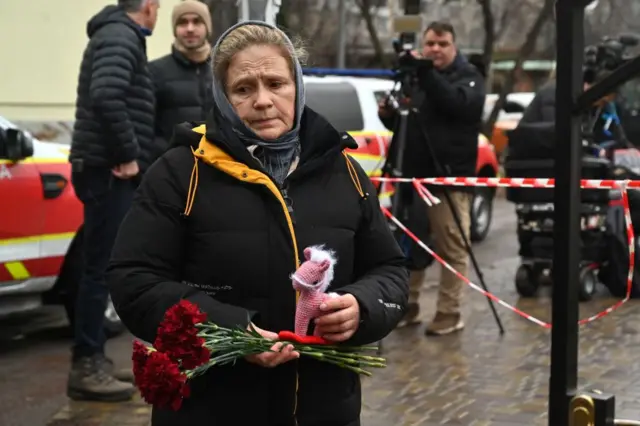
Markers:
point(450, 104)
point(183, 93)
point(115, 99)
point(232, 250)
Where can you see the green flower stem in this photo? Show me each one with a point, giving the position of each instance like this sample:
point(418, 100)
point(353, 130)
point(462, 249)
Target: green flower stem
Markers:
point(348, 361)
point(228, 345)
point(199, 370)
point(354, 355)
point(348, 367)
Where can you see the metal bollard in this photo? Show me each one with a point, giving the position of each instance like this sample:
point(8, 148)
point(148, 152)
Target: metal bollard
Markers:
point(592, 409)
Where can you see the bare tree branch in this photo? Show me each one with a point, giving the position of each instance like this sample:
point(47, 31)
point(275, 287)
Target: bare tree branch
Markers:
point(224, 14)
point(489, 24)
point(504, 21)
point(322, 21)
point(365, 9)
point(525, 51)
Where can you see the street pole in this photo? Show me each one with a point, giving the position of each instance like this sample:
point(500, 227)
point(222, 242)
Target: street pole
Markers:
point(259, 10)
point(243, 13)
point(566, 254)
point(342, 34)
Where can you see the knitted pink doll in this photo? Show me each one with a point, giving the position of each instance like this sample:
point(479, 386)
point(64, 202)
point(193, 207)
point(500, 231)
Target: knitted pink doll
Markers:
point(312, 279)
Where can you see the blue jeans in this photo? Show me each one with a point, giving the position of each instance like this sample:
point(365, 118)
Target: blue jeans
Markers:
point(106, 200)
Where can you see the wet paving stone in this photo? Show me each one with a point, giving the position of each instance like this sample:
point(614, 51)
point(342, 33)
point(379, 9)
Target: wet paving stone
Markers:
point(478, 377)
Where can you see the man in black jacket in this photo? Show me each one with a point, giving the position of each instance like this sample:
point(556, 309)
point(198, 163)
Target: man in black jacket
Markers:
point(112, 139)
point(447, 100)
point(183, 78)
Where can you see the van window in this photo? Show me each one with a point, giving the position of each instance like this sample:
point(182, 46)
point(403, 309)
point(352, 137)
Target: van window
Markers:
point(338, 103)
point(380, 95)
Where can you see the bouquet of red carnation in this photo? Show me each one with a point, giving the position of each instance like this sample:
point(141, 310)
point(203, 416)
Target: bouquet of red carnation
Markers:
point(187, 345)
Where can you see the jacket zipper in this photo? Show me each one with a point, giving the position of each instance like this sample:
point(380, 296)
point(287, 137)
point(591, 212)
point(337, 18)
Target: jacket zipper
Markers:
point(284, 189)
point(288, 201)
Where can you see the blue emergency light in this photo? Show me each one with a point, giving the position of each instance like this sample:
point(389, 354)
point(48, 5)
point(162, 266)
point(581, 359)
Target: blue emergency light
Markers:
point(349, 72)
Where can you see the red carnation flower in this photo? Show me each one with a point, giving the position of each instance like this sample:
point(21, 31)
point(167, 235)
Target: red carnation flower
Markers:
point(139, 358)
point(178, 336)
point(188, 350)
point(183, 315)
point(161, 383)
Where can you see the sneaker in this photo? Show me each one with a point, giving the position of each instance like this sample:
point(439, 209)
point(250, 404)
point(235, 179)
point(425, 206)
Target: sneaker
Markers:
point(411, 317)
point(444, 324)
point(90, 380)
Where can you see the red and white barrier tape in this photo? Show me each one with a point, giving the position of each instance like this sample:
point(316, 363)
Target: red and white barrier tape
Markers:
point(548, 183)
point(506, 182)
point(424, 193)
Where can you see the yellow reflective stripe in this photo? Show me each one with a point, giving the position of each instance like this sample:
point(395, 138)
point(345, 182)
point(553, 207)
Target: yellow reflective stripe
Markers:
point(17, 270)
point(38, 160)
point(370, 133)
point(36, 238)
point(365, 156)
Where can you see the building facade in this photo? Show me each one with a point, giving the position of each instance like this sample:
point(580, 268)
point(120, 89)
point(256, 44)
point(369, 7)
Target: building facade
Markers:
point(41, 50)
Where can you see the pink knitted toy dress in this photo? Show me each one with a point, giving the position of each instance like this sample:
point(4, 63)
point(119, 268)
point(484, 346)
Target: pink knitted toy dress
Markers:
point(312, 279)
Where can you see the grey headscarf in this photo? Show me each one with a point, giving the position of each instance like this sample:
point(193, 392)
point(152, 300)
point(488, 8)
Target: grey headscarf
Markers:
point(276, 155)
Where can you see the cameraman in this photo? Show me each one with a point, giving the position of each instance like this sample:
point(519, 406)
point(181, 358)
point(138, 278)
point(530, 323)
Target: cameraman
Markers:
point(601, 123)
point(448, 98)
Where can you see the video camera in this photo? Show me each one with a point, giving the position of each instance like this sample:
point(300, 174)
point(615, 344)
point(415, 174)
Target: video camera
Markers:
point(407, 65)
point(606, 56)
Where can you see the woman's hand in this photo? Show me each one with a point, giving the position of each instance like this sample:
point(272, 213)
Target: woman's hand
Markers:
point(343, 322)
point(271, 359)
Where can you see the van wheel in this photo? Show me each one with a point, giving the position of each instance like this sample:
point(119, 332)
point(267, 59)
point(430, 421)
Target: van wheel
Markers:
point(70, 278)
point(481, 213)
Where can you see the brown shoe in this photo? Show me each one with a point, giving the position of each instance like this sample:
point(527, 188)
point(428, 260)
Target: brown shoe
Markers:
point(88, 381)
point(444, 324)
point(411, 317)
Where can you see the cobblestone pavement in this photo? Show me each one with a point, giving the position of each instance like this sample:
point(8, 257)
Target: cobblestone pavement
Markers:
point(474, 378)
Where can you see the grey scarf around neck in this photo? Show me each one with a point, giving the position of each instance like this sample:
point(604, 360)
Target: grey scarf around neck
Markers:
point(275, 155)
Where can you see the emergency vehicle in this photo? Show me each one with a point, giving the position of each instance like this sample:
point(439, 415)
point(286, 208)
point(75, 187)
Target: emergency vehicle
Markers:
point(40, 227)
point(351, 105)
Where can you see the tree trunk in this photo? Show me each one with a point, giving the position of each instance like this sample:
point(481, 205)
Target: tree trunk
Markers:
point(365, 8)
point(525, 51)
point(489, 24)
point(282, 19)
point(224, 14)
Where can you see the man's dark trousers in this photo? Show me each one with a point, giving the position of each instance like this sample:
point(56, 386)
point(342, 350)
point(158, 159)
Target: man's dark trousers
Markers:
point(106, 200)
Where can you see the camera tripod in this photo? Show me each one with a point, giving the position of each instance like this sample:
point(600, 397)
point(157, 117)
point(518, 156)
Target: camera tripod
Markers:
point(393, 167)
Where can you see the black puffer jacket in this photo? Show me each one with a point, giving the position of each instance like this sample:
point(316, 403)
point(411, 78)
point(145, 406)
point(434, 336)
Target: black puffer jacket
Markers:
point(183, 93)
point(450, 104)
point(543, 106)
point(232, 253)
point(115, 100)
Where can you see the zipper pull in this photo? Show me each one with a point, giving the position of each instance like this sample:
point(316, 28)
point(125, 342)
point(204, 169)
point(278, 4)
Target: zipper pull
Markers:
point(289, 202)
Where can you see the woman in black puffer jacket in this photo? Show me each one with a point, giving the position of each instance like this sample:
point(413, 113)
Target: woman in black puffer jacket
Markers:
point(272, 179)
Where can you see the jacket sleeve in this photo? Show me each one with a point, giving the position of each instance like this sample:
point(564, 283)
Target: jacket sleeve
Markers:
point(144, 274)
point(463, 98)
point(382, 288)
point(114, 63)
point(161, 138)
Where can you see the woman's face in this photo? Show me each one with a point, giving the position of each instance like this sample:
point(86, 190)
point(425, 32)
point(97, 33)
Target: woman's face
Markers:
point(261, 89)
